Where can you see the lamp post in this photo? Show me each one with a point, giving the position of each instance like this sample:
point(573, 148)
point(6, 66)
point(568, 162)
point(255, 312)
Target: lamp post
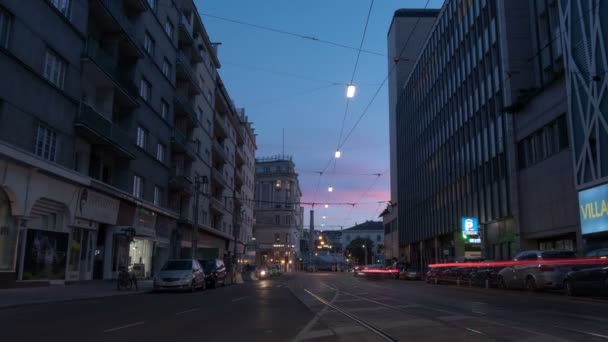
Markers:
point(365, 250)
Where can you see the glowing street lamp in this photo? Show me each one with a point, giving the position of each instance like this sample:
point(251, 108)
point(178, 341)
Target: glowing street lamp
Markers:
point(350, 91)
point(338, 154)
point(330, 189)
point(326, 206)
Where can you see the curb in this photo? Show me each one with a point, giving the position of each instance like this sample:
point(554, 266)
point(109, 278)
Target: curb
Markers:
point(63, 300)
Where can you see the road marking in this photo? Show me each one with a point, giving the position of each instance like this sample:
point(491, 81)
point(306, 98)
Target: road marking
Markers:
point(186, 311)
point(239, 298)
point(475, 331)
point(301, 335)
point(583, 332)
point(122, 327)
point(365, 324)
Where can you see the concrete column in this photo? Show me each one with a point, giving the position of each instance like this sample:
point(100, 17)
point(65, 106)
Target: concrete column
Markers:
point(107, 254)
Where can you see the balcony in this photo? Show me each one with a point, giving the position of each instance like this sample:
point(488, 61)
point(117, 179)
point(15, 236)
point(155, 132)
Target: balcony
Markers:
point(183, 108)
point(217, 205)
point(102, 132)
point(220, 128)
point(181, 182)
point(218, 153)
point(240, 157)
point(218, 178)
point(239, 179)
point(180, 144)
point(112, 18)
point(185, 29)
point(185, 74)
point(101, 69)
point(197, 46)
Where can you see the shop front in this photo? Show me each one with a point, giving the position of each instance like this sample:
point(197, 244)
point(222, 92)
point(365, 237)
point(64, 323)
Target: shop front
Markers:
point(132, 242)
point(92, 209)
point(9, 233)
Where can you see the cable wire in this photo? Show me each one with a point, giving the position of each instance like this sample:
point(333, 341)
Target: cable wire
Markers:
point(293, 34)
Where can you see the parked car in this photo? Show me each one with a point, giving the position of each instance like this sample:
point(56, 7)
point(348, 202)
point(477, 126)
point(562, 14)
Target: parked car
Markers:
point(601, 253)
point(590, 281)
point(536, 276)
point(180, 274)
point(479, 276)
point(215, 272)
point(410, 274)
point(275, 270)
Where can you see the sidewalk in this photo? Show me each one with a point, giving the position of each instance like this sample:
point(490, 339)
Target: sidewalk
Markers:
point(56, 293)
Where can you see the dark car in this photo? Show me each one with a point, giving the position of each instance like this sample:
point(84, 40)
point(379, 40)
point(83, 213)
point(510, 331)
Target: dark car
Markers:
point(215, 272)
point(485, 275)
point(589, 279)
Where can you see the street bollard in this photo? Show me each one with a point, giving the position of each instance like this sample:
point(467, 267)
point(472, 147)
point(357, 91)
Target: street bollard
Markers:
point(487, 283)
point(435, 281)
point(470, 283)
point(458, 282)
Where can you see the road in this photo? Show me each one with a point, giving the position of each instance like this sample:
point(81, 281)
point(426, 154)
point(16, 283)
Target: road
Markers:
point(315, 307)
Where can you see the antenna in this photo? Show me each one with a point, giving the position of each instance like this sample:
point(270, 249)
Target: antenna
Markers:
point(283, 143)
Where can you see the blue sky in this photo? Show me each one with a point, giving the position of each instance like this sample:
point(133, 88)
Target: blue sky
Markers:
point(306, 105)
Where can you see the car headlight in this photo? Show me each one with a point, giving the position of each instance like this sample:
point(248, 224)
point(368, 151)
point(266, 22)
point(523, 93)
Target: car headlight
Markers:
point(263, 273)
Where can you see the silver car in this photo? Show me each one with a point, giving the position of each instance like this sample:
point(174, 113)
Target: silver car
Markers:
point(181, 275)
point(536, 276)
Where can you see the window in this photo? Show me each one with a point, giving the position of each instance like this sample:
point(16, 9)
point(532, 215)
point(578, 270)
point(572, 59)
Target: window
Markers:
point(166, 68)
point(152, 4)
point(5, 26)
point(200, 114)
point(46, 143)
point(164, 109)
point(169, 28)
point(142, 137)
point(160, 152)
point(288, 219)
point(149, 44)
point(54, 68)
point(277, 219)
point(204, 216)
point(378, 238)
point(137, 186)
point(145, 89)
point(158, 195)
point(62, 6)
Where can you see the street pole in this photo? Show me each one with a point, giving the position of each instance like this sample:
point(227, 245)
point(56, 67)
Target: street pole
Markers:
point(197, 186)
point(365, 250)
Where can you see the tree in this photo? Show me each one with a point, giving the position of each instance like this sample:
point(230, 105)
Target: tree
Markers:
point(357, 252)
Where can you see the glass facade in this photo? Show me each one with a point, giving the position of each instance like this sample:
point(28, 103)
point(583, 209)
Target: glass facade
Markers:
point(451, 128)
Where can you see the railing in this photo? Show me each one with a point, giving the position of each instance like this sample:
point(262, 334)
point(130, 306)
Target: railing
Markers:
point(185, 62)
point(182, 140)
point(181, 179)
point(187, 25)
point(119, 15)
point(106, 62)
point(103, 127)
point(183, 101)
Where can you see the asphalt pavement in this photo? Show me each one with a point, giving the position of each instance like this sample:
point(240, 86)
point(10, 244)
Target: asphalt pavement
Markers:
point(315, 307)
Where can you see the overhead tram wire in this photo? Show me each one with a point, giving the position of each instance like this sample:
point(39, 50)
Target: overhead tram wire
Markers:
point(358, 202)
point(293, 34)
point(350, 132)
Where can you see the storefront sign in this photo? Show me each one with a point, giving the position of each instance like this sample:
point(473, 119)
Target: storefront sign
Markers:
point(470, 226)
point(45, 255)
point(97, 207)
point(145, 222)
point(593, 204)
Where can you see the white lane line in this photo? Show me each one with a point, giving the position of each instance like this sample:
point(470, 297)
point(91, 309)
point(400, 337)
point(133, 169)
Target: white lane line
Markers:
point(303, 333)
point(239, 298)
point(186, 311)
point(583, 332)
point(123, 327)
point(475, 331)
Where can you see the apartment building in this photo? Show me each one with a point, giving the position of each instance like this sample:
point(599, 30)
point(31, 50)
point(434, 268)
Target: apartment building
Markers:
point(279, 218)
point(102, 170)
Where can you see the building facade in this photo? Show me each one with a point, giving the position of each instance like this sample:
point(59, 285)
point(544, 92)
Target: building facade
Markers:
point(372, 230)
point(279, 218)
point(406, 36)
point(102, 170)
point(584, 28)
point(482, 136)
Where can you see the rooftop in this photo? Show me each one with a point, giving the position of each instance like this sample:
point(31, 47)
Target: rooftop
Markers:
point(368, 225)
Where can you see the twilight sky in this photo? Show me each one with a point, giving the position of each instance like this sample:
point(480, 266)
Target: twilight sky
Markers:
point(286, 82)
